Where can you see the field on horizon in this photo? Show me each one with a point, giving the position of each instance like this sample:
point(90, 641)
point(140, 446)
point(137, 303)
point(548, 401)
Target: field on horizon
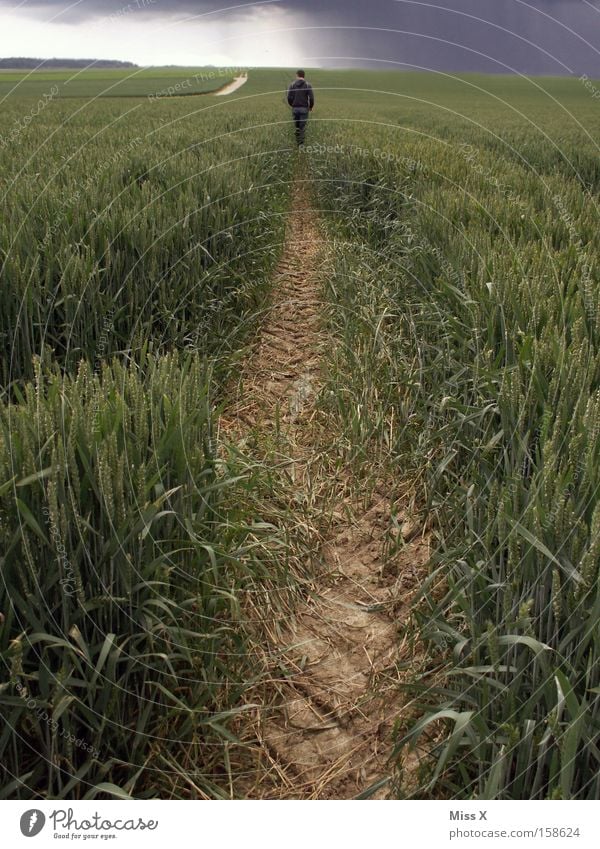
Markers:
point(108, 82)
point(156, 548)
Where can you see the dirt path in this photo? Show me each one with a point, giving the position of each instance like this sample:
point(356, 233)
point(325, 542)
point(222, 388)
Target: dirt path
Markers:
point(229, 88)
point(326, 732)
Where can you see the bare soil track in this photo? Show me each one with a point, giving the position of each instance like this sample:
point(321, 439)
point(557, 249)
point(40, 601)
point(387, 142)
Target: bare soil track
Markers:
point(229, 88)
point(326, 730)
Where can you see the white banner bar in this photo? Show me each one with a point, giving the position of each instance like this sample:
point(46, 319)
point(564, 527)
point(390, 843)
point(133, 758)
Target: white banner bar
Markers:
point(302, 825)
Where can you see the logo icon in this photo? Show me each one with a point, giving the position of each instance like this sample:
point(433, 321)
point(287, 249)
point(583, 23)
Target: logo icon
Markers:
point(32, 822)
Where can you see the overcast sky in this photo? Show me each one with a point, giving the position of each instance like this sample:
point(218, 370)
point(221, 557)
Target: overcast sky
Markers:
point(528, 36)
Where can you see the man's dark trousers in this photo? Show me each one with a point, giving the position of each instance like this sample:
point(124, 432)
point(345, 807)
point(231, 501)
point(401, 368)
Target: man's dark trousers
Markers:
point(300, 116)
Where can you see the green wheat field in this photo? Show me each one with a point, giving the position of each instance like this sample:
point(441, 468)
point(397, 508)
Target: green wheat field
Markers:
point(139, 233)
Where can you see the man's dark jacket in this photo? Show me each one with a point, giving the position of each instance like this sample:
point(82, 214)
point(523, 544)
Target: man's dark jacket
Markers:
point(300, 95)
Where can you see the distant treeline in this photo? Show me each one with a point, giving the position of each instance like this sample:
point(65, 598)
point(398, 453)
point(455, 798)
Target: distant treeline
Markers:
point(24, 62)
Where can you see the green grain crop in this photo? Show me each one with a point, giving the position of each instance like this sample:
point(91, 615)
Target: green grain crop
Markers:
point(464, 290)
point(137, 242)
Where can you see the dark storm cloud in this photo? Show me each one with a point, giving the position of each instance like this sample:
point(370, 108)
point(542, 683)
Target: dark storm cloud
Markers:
point(529, 36)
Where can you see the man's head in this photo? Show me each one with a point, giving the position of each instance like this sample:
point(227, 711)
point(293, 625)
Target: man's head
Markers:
point(300, 74)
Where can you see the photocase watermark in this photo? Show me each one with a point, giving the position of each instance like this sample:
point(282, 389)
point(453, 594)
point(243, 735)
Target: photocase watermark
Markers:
point(593, 89)
point(32, 822)
point(587, 282)
point(66, 820)
point(102, 345)
point(119, 14)
point(194, 340)
point(23, 123)
point(88, 828)
point(189, 82)
point(567, 220)
point(471, 155)
point(52, 723)
point(415, 244)
point(68, 582)
point(407, 162)
point(424, 245)
point(514, 488)
point(57, 225)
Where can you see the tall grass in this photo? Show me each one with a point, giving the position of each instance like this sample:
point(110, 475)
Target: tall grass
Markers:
point(124, 227)
point(466, 304)
point(126, 555)
point(136, 246)
point(136, 250)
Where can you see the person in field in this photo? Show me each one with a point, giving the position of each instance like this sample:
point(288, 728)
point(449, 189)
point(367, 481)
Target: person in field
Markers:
point(301, 98)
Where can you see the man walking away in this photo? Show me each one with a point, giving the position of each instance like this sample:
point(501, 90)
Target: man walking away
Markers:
point(301, 98)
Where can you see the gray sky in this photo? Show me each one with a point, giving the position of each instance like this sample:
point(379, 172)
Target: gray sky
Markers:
point(528, 36)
